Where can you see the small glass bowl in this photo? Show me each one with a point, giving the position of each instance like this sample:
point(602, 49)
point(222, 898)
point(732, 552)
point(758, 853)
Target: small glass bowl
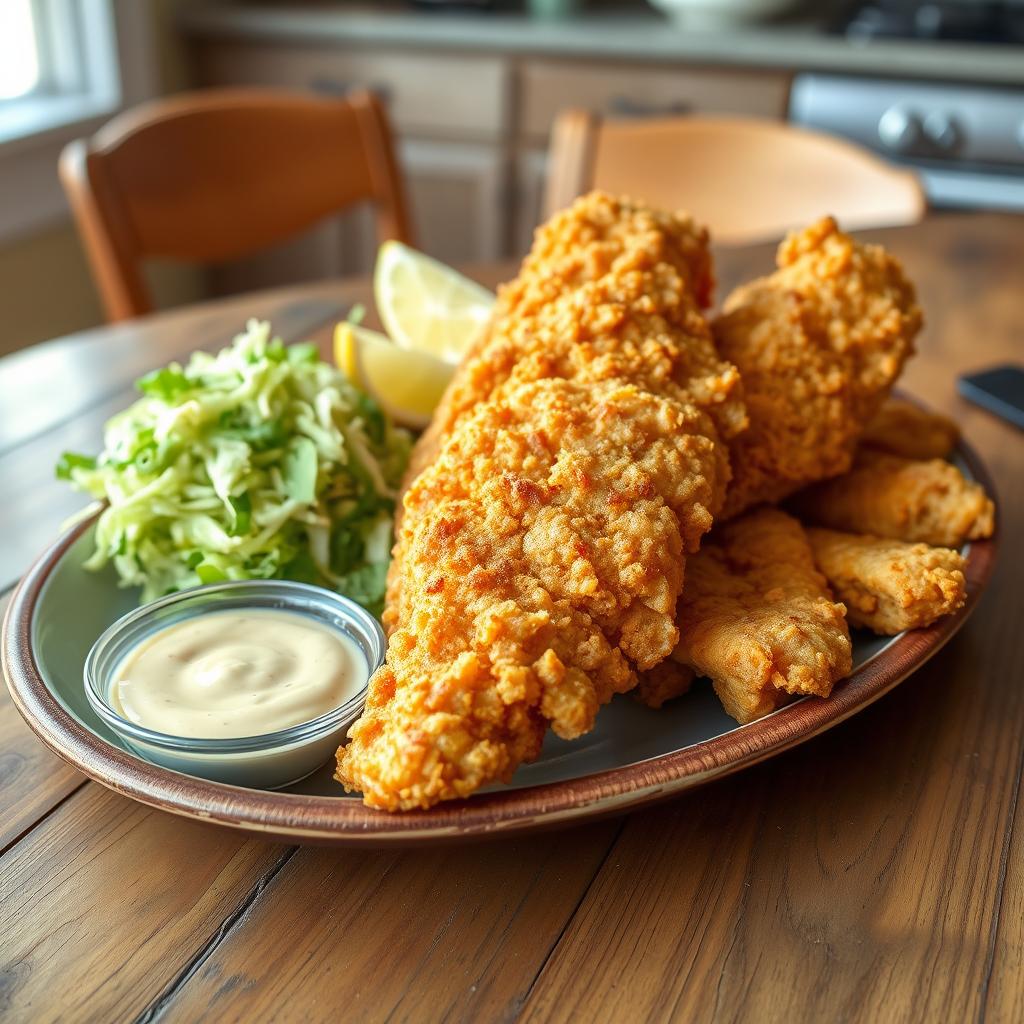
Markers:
point(269, 761)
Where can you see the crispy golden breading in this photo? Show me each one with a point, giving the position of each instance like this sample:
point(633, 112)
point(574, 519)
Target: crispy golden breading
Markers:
point(610, 488)
point(757, 617)
point(906, 499)
point(901, 428)
point(541, 547)
point(611, 290)
point(663, 683)
point(482, 664)
point(888, 585)
point(818, 345)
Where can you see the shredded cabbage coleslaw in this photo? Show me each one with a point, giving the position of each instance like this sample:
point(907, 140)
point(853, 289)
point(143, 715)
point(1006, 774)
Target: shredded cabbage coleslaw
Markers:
point(260, 461)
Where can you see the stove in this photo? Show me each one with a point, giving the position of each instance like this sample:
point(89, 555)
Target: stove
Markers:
point(969, 21)
point(966, 141)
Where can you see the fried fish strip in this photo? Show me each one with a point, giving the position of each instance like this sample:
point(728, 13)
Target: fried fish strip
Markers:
point(611, 290)
point(664, 682)
point(901, 428)
point(818, 344)
point(905, 499)
point(541, 547)
point(756, 616)
point(889, 585)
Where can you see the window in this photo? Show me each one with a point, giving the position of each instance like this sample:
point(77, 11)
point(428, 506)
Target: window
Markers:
point(58, 62)
point(20, 73)
point(65, 67)
point(53, 48)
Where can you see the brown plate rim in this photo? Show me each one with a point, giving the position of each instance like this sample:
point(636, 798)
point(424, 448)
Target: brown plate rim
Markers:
point(335, 821)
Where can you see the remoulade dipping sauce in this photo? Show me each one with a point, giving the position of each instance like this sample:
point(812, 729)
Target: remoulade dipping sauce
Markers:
point(237, 673)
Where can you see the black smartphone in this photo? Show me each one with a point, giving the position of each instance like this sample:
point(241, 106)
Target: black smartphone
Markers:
point(1000, 390)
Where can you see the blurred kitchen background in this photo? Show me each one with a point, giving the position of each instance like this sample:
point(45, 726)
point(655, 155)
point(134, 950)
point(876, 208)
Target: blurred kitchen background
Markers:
point(472, 89)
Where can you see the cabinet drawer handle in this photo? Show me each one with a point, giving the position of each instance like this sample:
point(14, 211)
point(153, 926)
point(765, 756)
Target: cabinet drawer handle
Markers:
point(625, 106)
point(342, 87)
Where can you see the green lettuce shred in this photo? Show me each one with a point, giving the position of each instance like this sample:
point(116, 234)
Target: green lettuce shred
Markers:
point(259, 462)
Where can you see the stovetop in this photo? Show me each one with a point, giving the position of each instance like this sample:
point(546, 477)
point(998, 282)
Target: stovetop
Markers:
point(974, 21)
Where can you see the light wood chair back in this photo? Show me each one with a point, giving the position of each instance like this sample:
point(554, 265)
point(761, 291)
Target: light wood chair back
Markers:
point(213, 176)
point(748, 180)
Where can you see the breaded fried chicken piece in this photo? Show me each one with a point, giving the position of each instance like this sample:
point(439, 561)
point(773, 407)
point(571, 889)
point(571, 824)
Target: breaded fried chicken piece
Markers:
point(541, 548)
point(906, 499)
point(818, 345)
point(888, 585)
point(902, 428)
point(757, 617)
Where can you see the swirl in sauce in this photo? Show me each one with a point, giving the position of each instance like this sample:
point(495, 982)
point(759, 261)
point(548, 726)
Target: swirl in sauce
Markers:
point(237, 673)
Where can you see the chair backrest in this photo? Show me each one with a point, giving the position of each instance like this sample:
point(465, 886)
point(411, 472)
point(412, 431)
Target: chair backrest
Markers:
point(212, 176)
point(748, 180)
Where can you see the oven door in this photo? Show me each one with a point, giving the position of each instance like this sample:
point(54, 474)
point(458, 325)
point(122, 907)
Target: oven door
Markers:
point(965, 141)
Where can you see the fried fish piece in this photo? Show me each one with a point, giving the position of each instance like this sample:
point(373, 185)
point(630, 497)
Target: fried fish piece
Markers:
point(888, 585)
point(541, 546)
point(756, 616)
point(905, 499)
point(664, 682)
point(818, 345)
point(542, 558)
point(611, 289)
point(902, 428)
point(610, 487)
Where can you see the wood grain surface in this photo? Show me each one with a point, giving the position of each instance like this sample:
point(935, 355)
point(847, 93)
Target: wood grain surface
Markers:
point(874, 874)
point(32, 779)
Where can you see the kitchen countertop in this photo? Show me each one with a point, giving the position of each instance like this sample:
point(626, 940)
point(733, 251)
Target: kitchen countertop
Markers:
point(634, 35)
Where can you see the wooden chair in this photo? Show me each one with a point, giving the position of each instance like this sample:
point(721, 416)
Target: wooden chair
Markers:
point(213, 176)
point(748, 180)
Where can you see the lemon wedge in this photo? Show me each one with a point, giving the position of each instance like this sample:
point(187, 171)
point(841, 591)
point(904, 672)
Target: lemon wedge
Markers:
point(407, 385)
point(427, 306)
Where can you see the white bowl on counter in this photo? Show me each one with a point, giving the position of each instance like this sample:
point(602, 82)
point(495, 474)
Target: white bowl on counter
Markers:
point(711, 14)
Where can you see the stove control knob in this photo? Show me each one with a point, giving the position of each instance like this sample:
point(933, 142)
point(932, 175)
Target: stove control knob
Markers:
point(900, 129)
point(943, 131)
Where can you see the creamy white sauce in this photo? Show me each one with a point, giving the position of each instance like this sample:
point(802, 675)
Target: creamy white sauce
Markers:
point(237, 673)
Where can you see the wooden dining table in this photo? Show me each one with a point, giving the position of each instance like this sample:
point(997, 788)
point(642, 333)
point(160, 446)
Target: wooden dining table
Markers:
point(875, 873)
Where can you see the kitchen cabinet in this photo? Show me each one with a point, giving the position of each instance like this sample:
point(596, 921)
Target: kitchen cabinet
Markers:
point(457, 192)
point(472, 133)
point(428, 95)
point(625, 90)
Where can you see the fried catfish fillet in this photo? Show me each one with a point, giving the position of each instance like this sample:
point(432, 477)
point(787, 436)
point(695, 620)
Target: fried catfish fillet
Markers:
point(611, 290)
point(666, 681)
point(888, 585)
point(818, 345)
point(905, 499)
point(756, 616)
point(902, 428)
point(575, 462)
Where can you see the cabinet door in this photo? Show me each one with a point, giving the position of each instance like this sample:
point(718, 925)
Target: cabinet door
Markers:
point(630, 90)
point(458, 197)
point(446, 95)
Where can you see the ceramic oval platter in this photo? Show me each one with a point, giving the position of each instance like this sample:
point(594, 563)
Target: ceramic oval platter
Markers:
point(634, 756)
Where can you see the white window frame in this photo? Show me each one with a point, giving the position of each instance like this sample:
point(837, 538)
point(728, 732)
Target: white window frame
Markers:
point(110, 53)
